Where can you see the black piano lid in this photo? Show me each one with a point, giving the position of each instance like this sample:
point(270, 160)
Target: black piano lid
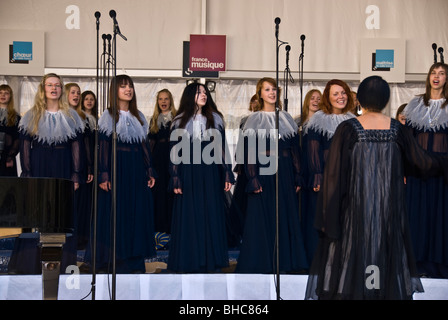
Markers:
point(42, 203)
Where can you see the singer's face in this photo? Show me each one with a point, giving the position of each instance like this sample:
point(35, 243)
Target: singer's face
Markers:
point(437, 78)
point(314, 102)
point(73, 96)
point(53, 88)
point(338, 98)
point(268, 94)
point(164, 102)
point(125, 92)
point(201, 97)
point(5, 96)
point(89, 102)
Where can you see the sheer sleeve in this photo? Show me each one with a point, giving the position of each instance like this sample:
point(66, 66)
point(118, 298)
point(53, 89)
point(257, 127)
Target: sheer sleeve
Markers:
point(104, 152)
point(296, 156)
point(251, 165)
point(175, 166)
point(77, 146)
point(315, 158)
point(147, 160)
point(419, 162)
point(13, 143)
point(335, 185)
point(226, 166)
point(25, 155)
point(152, 139)
point(88, 141)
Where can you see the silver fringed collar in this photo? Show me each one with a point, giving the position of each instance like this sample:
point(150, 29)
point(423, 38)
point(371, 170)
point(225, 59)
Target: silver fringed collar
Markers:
point(128, 128)
point(164, 120)
point(326, 124)
point(428, 118)
point(54, 127)
point(263, 122)
point(196, 127)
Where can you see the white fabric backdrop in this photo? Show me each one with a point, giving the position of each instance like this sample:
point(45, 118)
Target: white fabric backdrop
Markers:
point(231, 96)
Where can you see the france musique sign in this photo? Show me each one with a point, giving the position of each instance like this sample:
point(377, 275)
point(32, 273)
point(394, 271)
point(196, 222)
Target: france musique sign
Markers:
point(207, 52)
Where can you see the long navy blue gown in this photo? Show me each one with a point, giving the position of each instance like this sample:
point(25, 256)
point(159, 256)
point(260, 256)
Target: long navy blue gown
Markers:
point(84, 194)
point(134, 201)
point(427, 199)
point(318, 132)
point(163, 198)
point(11, 144)
point(198, 233)
point(53, 152)
point(257, 254)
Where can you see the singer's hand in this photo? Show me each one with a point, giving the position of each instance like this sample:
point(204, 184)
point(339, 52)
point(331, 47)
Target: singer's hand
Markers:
point(317, 188)
point(105, 186)
point(227, 186)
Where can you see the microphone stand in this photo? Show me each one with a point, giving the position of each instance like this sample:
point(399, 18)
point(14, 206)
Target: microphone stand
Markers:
point(302, 38)
point(277, 109)
point(95, 160)
point(112, 14)
point(441, 55)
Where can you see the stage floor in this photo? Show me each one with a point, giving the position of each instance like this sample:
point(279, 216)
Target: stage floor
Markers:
point(180, 287)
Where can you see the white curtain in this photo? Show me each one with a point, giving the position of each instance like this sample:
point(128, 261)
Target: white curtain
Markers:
point(231, 96)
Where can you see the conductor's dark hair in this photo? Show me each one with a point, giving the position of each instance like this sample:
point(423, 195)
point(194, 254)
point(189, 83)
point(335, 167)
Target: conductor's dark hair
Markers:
point(373, 93)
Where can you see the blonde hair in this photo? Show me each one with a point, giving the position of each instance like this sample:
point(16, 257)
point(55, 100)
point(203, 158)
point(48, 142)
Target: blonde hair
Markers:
point(40, 103)
point(78, 108)
point(154, 127)
point(11, 112)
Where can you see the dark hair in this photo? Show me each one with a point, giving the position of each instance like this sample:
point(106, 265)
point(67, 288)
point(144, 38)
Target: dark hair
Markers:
point(373, 93)
point(400, 110)
point(187, 106)
point(95, 106)
point(427, 95)
point(113, 94)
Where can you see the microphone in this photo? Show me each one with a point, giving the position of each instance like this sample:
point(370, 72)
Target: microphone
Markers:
point(277, 22)
point(113, 15)
point(104, 42)
point(302, 37)
point(287, 48)
point(434, 47)
point(441, 55)
point(97, 16)
point(108, 37)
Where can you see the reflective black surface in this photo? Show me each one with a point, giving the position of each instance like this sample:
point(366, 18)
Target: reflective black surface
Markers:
point(42, 203)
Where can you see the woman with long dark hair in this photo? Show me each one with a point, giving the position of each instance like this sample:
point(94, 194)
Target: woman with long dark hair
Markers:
point(134, 180)
point(200, 176)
